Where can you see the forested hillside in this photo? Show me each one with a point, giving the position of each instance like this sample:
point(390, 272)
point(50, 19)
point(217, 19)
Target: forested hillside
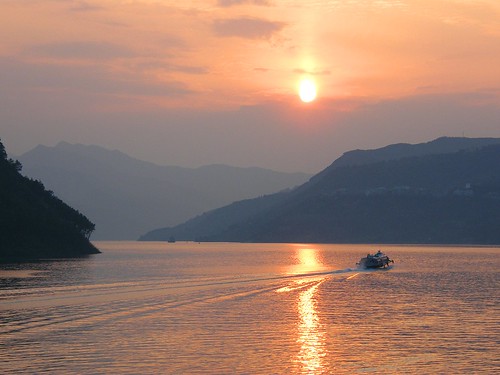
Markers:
point(33, 222)
point(450, 197)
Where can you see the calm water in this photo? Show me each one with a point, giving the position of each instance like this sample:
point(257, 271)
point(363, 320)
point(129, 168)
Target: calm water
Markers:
point(189, 308)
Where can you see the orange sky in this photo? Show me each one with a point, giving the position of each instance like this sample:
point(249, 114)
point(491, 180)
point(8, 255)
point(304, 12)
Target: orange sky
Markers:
point(79, 58)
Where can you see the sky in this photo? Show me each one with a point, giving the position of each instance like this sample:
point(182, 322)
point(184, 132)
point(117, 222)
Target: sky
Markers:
point(194, 82)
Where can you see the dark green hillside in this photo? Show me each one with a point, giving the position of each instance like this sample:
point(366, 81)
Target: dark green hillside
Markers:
point(376, 219)
point(217, 221)
point(438, 173)
point(443, 145)
point(34, 223)
point(434, 197)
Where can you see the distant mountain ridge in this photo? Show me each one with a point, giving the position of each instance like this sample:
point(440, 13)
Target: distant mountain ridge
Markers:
point(402, 194)
point(442, 145)
point(125, 196)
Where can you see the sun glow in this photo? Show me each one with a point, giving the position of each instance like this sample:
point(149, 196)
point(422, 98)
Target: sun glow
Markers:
point(307, 90)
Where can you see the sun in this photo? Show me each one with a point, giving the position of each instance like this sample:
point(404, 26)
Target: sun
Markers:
point(307, 90)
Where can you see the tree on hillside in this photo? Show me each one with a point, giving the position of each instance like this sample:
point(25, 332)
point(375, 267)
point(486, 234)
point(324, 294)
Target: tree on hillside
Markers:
point(34, 222)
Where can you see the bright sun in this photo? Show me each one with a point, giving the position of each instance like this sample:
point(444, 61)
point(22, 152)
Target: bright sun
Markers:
point(307, 90)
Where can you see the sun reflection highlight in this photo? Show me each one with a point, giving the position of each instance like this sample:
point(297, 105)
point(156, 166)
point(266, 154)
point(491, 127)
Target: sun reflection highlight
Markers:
point(352, 276)
point(310, 332)
point(308, 260)
point(311, 335)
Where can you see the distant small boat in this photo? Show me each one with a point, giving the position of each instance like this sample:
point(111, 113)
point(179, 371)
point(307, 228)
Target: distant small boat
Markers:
point(377, 260)
point(171, 239)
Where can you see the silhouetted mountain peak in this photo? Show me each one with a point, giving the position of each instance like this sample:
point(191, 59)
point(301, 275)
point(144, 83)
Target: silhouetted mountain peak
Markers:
point(441, 145)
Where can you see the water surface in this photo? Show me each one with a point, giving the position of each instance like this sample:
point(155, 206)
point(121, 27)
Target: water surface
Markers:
point(224, 308)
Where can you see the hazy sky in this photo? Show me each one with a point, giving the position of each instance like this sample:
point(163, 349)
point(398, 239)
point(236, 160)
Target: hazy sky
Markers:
point(192, 82)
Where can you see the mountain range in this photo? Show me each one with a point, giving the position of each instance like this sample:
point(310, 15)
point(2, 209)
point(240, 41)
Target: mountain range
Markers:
point(126, 197)
point(443, 191)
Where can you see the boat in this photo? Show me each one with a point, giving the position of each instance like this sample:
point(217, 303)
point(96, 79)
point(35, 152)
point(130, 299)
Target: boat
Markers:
point(377, 260)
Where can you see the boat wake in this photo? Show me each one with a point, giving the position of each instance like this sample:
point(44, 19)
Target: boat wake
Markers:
point(88, 305)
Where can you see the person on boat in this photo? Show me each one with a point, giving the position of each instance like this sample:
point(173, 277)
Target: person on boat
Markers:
point(379, 253)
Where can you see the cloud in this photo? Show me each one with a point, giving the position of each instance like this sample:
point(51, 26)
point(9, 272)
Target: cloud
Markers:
point(187, 69)
point(172, 41)
point(167, 67)
point(38, 77)
point(312, 72)
point(230, 3)
point(250, 28)
point(83, 50)
point(83, 6)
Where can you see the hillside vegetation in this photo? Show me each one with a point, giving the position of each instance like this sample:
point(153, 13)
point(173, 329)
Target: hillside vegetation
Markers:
point(415, 195)
point(33, 222)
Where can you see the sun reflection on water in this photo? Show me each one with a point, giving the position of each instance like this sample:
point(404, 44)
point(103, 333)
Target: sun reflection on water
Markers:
point(311, 333)
point(308, 260)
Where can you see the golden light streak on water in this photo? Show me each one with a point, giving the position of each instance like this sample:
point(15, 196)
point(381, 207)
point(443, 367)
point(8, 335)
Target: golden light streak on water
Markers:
point(308, 258)
point(352, 276)
point(223, 308)
point(311, 334)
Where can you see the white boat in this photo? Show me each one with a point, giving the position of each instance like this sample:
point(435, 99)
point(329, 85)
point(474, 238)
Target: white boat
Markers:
point(377, 260)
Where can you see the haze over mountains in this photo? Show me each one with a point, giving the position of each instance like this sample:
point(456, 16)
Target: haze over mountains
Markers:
point(444, 191)
point(126, 197)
